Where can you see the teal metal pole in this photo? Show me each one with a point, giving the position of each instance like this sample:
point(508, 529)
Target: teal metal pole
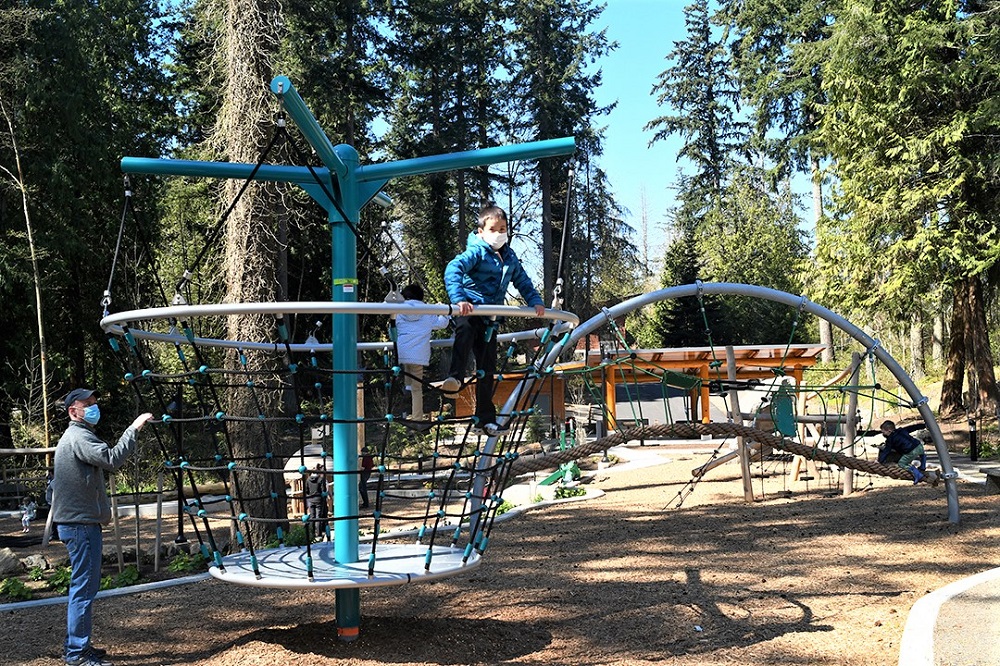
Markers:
point(278, 174)
point(345, 397)
point(436, 163)
point(314, 134)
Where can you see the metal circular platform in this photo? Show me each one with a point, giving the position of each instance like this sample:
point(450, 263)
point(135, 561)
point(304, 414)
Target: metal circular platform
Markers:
point(395, 564)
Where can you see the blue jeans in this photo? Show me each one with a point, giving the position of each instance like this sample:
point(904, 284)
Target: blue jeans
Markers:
point(84, 543)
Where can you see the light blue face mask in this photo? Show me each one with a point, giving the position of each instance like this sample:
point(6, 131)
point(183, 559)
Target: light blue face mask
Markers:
point(92, 414)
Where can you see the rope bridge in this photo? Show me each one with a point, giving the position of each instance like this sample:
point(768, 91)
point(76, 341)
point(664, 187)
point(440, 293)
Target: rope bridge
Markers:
point(695, 430)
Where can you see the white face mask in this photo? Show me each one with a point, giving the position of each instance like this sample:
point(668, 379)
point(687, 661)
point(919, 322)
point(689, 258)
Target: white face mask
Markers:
point(495, 239)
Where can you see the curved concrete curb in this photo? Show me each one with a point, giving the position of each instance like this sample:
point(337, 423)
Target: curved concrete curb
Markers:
point(917, 645)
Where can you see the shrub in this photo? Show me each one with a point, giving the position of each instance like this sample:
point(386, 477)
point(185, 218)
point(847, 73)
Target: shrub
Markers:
point(36, 573)
point(59, 580)
point(15, 590)
point(563, 492)
point(504, 507)
point(184, 563)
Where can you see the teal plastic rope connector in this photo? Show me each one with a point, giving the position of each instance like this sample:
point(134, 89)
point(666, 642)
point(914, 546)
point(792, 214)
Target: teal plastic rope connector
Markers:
point(250, 383)
point(189, 333)
point(427, 558)
point(130, 339)
point(304, 518)
point(376, 514)
point(129, 376)
point(371, 563)
point(114, 343)
point(440, 513)
point(303, 469)
point(217, 457)
point(165, 418)
point(431, 494)
point(389, 417)
point(203, 369)
point(282, 330)
point(242, 517)
point(220, 415)
point(396, 370)
point(545, 336)
point(217, 556)
point(231, 466)
point(202, 513)
point(483, 543)
point(293, 367)
point(480, 374)
point(185, 464)
point(421, 532)
point(239, 537)
point(299, 418)
point(468, 552)
point(147, 373)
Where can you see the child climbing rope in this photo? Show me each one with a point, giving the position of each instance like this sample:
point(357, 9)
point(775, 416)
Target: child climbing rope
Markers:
point(909, 448)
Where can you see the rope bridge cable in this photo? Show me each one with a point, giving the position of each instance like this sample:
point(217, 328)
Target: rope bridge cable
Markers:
point(695, 430)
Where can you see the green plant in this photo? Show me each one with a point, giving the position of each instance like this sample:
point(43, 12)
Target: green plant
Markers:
point(988, 445)
point(128, 576)
point(537, 498)
point(59, 580)
point(563, 492)
point(504, 507)
point(295, 536)
point(14, 589)
point(184, 563)
point(36, 573)
point(537, 428)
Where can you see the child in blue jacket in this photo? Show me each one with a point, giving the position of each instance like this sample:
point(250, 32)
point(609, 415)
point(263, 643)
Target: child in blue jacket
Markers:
point(480, 276)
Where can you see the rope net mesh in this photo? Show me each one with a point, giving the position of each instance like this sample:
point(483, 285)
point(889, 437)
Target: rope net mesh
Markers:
point(434, 487)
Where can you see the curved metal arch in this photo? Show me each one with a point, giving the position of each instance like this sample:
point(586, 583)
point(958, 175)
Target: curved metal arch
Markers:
point(801, 302)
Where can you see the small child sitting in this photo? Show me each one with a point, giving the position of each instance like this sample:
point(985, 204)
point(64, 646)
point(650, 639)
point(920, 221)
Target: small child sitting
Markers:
point(480, 276)
point(28, 513)
point(413, 345)
point(908, 447)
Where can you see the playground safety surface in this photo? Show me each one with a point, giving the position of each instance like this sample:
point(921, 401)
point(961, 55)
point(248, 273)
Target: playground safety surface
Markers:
point(626, 578)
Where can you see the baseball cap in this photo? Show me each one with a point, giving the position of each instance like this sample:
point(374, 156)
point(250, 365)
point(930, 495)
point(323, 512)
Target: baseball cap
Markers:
point(78, 394)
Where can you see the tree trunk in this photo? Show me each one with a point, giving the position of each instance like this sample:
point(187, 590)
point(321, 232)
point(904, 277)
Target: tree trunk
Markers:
point(951, 387)
point(825, 327)
point(917, 346)
point(981, 356)
point(937, 338)
point(548, 269)
point(242, 131)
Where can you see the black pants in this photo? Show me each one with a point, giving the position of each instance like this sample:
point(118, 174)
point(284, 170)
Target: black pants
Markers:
point(363, 486)
point(470, 336)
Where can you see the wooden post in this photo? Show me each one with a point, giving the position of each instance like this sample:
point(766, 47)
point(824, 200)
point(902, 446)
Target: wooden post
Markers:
point(736, 416)
point(851, 426)
point(118, 527)
point(159, 521)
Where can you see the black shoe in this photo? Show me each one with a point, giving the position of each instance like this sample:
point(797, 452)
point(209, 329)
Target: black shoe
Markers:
point(88, 659)
point(97, 652)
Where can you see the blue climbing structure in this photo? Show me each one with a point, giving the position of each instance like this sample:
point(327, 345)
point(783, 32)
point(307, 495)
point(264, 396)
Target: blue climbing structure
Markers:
point(343, 187)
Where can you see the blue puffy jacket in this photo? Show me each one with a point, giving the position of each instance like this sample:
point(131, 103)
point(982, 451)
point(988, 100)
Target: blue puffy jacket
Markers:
point(480, 275)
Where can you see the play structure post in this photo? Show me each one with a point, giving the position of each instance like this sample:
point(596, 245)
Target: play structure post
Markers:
point(343, 200)
point(851, 427)
point(736, 416)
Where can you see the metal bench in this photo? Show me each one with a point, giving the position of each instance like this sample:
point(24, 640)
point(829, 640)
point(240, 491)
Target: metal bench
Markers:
point(992, 479)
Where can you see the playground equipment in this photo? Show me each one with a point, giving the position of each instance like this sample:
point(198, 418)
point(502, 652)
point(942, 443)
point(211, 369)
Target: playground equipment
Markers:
point(873, 351)
point(342, 187)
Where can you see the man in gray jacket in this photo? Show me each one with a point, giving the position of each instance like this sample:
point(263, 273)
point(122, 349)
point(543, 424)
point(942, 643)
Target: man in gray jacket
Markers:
point(80, 507)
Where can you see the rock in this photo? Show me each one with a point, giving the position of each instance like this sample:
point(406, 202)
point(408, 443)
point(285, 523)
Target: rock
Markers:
point(10, 564)
point(35, 562)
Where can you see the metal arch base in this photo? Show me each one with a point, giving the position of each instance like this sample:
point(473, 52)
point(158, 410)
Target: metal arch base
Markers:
point(395, 564)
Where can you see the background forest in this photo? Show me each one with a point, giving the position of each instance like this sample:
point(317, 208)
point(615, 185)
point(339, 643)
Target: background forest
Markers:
point(889, 107)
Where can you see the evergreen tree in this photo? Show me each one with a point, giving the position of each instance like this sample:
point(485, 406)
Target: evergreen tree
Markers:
point(911, 122)
point(552, 43)
point(700, 91)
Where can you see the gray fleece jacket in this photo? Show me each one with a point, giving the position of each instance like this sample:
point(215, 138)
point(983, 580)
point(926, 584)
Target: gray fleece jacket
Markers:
point(78, 488)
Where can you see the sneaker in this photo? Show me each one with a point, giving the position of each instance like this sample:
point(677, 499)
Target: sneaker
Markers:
point(935, 478)
point(918, 476)
point(492, 429)
point(88, 659)
point(97, 652)
point(451, 385)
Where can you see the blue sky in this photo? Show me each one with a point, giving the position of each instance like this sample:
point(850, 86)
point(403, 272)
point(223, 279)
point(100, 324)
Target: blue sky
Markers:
point(645, 31)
